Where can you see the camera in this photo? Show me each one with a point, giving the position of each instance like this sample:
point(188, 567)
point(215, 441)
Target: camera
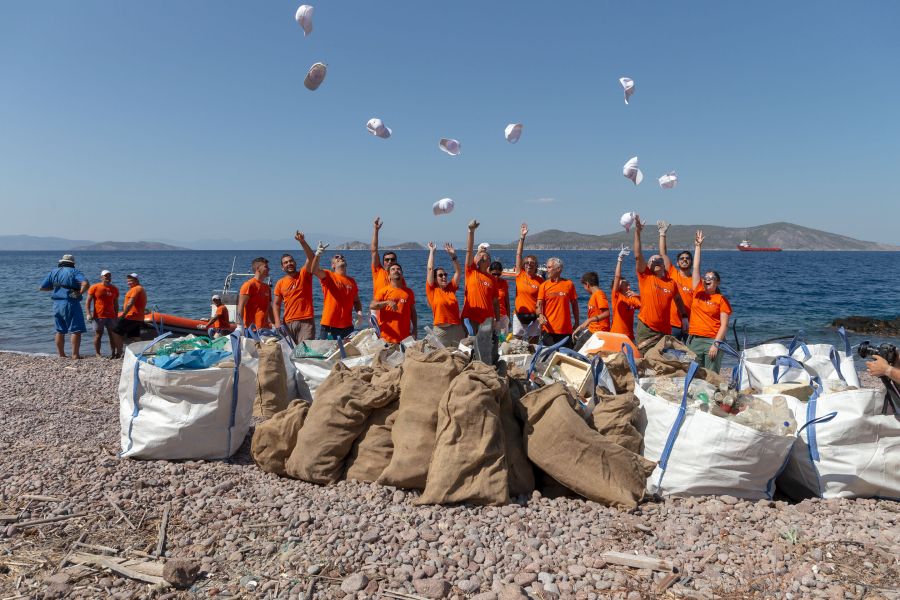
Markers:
point(886, 351)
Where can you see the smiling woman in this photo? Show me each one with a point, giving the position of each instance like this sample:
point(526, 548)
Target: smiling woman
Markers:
point(710, 311)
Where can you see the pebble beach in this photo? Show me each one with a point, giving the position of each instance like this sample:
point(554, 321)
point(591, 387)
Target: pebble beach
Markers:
point(235, 531)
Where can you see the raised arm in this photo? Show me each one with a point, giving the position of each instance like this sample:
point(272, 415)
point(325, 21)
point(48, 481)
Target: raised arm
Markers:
point(316, 265)
point(663, 227)
point(470, 242)
point(520, 249)
point(639, 263)
point(429, 268)
point(373, 247)
point(617, 277)
point(452, 253)
point(310, 255)
point(698, 242)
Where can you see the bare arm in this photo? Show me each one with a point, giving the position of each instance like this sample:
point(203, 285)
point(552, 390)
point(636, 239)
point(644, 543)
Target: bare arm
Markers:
point(310, 255)
point(242, 303)
point(663, 249)
point(373, 247)
point(682, 309)
point(720, 335)
point(617, 277)
point(470, 242)
point(520, 249)
point(539, 311)
point(639, 263)
point(575, 313)
point(88, 309)
point(452, 252)
point(496, 304)
point(429, 268)
point(698, 242)
point(506, 300)
point(357, 305)
point(277, 301)
point(415, 321)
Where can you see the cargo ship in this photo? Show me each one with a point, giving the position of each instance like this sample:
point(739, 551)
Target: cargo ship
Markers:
point(745, 246)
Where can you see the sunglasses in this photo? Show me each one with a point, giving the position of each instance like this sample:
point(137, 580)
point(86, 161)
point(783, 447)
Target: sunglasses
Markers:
point(684, 258)
point(441, 274)
point(390, 259)
point(709, 279)
point(338, 256)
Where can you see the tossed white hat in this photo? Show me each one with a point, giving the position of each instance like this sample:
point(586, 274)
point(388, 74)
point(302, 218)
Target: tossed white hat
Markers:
point(513, 132)
point(669, 180)
point(444, 206)
point(104, 272)
point(628, 85)
point(377, 128)
point(449, 146)
point(315, 76)
point(304, 17)
point(632, 172)
point(627, 220)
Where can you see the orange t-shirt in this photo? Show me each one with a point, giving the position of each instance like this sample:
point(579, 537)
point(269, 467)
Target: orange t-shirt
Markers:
point(527, 291)
point(443, 303)
point(380, 279)
point(339, 293)
point(685, 290)
point(136, 312)
point(296, 294)
point(502, 295)
point(596, 305)
point(105, 297)
point(623, 308)
point(706, 312)
point(221, 317)
point(481, 289)
point(256, 311)
point(395, 325)
point(557, 308)
point(656, 300)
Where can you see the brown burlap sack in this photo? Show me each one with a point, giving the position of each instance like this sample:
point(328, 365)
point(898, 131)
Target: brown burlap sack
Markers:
point(425, 379)
point(468, 463)
point(623, 378)
point(521, 473)
point(559, 441)
point(371, 452)
point(343, 404)
point(614, 417)
point(664, 365)
point(271, 380)
point(274, 439)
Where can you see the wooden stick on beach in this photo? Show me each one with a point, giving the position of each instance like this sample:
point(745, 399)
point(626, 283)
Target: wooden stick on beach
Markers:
point(119, 510)
point(161, 541)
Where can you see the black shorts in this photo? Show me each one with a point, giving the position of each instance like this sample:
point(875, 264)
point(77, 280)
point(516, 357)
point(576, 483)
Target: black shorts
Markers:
point(526, 318)
point(549, 339)
point(129, 328)
point(335, 332)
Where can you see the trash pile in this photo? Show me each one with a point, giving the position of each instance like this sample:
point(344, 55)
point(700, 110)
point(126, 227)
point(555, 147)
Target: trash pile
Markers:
point(191, 352)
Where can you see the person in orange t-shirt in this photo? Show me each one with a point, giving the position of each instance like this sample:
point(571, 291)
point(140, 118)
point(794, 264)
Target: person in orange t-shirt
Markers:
point(102, 309)
point(441, 293)
point(396, 306)
point(624, 301)
point(481, 301)
point(557, 305)
point(524, 322)
point(598, 305)
point(129, 325)
point(709, 314)
point(294, 292)
point(255, 299)
point(680, 273)
point(496, 270)
point(658, 292)
point(380, 268)
point(340, 298)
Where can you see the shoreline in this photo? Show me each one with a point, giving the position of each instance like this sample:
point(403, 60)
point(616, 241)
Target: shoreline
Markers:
point(252, 533)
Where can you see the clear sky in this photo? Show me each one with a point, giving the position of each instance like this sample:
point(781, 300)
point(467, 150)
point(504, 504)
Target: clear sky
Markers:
point(188, 119)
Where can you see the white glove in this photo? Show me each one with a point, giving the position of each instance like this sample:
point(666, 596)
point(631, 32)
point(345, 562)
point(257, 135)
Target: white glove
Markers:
point(624, 252)
point(662, 226)
point(321, 248)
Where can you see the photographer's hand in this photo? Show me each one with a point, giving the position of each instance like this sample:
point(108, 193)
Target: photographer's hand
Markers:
point(879, 367)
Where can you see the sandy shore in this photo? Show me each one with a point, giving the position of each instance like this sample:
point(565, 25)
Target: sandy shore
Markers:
point(255, 535)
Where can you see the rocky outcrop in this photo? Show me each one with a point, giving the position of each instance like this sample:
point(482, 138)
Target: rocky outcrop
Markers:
point(872, 325)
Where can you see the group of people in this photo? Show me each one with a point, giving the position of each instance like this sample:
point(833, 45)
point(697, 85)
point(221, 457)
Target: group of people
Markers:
point(672, 299)
point(68, 286)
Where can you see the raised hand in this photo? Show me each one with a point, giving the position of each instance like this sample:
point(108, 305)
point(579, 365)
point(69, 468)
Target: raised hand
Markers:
point(523, 230)
point(698, 237)
point(638, 224)
point(450, 250)
point(321, 248)
point(431, 246)
point(662, 226)
point(299, 236)
point(378, 223)
point(624, 252)
point(473, 225)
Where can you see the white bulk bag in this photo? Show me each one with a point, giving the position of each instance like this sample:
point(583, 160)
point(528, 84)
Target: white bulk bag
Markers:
point(847, 449)
point(701, 454)
point(185, 414)
point(311, 372)
point(828, 362)
point(761, 372)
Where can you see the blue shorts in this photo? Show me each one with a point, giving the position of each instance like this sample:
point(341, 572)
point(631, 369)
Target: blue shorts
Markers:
point(69, 316)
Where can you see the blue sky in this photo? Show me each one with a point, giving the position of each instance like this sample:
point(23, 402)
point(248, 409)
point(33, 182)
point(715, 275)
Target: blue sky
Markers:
point(187, 120)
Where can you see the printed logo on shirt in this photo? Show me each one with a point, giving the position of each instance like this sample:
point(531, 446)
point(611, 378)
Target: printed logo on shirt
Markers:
point(558, 294)
point(662, 288)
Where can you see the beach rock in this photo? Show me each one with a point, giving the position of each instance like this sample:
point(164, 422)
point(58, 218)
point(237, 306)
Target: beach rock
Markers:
point(865, 324)
point(432, 588)
point(354, 583)
point(181, 573)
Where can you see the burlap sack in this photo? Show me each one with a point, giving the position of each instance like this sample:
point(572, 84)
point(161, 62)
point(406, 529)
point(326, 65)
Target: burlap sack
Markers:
point(664, 365)
point(468, 463)
point(614, 417)
point(425, 379)
point(371, 452)
point(620, 371)
point(274, 439)
point(343, 404)
point(521, 473)
point(271, 380)
point(559, 441)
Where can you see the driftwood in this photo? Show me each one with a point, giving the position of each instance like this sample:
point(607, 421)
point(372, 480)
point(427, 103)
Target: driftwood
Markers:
point(638, 561)
point(161, 541)
point(39, 498)
point(46, 520)
point(147, 571)
point(121, 514)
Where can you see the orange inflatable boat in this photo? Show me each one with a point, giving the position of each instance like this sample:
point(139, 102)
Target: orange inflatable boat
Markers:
point(178, 324)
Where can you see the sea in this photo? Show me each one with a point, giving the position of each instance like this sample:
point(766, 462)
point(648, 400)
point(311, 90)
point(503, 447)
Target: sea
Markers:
point(772, 294)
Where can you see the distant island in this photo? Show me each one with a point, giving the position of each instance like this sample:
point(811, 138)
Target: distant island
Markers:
point(782, 235)
point(126, 247)
point(365, 246)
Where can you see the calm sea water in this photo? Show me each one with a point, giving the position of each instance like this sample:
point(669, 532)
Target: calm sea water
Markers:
point(772, 294)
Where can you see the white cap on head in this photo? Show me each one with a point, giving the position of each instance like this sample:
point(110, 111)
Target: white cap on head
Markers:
point(632, 172)
point(304, 17)
point(133, 276)
point(513, 132)
point(628, 86)
point(104, 273)
point(484, 247)
point(444, 206)
point(377, 128)
point(449, 146)
point(216, 297)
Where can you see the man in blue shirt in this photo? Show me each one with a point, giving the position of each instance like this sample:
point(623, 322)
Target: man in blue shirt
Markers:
point(67, 285)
